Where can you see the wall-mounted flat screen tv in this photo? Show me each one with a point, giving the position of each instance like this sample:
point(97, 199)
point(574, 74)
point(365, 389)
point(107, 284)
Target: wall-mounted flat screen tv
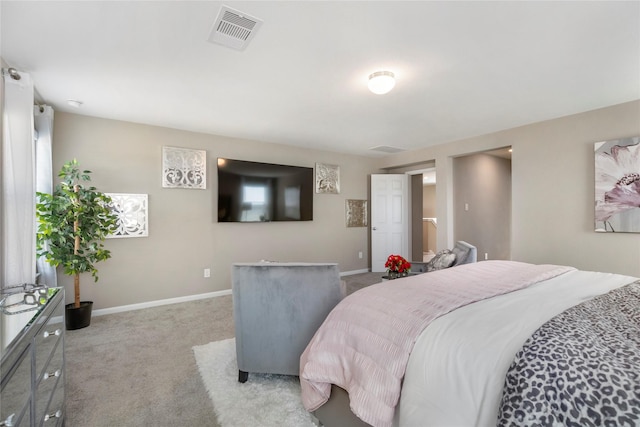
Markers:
point(263, 192)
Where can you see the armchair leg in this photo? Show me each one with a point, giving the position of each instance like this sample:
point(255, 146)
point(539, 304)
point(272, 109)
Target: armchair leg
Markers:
point(243, 376)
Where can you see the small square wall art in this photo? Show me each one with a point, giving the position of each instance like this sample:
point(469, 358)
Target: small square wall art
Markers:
point(617, 190)
point(357, 213)
point(327, 179)
point(133, 214)
point(184, 168)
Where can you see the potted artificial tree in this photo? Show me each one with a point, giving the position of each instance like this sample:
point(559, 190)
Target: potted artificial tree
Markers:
point(72, 225)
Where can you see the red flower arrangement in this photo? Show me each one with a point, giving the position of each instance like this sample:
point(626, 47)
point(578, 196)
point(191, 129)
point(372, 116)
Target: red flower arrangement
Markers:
point(397, 264)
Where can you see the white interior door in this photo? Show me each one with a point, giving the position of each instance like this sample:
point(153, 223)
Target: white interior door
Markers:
point(389, 218)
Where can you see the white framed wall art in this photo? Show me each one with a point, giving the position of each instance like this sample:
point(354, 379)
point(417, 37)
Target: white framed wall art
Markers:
point(184, 168)
point(133, 214)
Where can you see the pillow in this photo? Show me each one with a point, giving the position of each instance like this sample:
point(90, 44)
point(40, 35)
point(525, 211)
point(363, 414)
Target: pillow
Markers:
point(443, 259)
point(461, 253)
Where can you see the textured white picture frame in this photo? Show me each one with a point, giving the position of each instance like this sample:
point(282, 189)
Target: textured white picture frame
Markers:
point(133, 214)
point(184, 168)
point(327, 178)
point(356, 213)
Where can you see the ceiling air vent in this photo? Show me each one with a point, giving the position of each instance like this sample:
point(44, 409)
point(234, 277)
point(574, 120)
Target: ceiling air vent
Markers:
point(387, 149)
point(233, 28)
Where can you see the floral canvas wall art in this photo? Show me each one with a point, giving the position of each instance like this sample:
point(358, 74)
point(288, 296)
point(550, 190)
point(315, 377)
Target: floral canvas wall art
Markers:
point(617, 189)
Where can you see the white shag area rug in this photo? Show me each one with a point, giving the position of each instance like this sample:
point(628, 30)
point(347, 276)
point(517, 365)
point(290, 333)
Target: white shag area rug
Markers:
point(263, 401)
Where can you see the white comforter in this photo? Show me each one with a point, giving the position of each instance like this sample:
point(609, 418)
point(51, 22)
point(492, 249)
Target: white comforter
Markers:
point(455, 373)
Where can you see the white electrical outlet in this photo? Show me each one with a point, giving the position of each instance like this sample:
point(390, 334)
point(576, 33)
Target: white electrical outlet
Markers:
point(360, 254)
point(207, 272)
point(486, 256)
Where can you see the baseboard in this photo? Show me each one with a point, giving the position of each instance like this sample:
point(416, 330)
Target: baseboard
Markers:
point(158, 303)
point(188, 298)
point(149, 304)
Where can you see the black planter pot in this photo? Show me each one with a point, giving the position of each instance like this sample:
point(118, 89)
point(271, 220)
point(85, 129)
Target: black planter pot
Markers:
point(78, 318)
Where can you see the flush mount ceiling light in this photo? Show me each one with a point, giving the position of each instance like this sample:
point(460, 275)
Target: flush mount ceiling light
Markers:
point(74, 103)
point(381, 82)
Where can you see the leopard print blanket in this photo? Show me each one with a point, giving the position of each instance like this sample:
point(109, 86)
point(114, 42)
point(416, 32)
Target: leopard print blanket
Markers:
point(582, 368)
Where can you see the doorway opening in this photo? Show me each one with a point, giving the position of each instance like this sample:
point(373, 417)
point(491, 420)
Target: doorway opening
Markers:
point(481, 200)
point(424, 222)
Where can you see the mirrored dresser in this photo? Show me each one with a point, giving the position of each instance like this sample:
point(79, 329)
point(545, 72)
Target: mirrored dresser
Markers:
point(32, 367)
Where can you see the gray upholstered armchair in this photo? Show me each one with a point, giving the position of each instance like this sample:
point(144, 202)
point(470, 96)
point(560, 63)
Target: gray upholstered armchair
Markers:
point(277, 307)
point(465, 253)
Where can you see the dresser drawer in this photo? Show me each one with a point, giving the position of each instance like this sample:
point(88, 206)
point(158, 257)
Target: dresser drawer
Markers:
point(47, 339)
point(16, 393)
point(32, 377)
point(18, 419)
point(21, 418)
point(54, 415)
point(51, 379)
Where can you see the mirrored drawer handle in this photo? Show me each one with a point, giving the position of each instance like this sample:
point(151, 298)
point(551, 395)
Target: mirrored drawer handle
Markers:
point(56, 414)
point(53, 374)
point(8, 422)
point(57, 333)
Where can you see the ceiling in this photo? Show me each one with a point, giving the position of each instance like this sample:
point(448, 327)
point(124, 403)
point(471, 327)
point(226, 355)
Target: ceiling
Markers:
point(462, 68)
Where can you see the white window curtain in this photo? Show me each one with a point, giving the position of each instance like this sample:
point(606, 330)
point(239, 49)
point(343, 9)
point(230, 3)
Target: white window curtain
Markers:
point(17, 193)
point(43, 116)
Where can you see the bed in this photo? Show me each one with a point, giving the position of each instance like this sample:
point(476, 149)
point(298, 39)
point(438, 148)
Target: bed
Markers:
point(486, 325)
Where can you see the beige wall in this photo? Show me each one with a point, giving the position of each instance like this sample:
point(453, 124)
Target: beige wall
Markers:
point(429, 201)
point(429, 230)
point(415, 188)
point(552, 188)
point(482, 204)
point(184, 236)
point(552, 203)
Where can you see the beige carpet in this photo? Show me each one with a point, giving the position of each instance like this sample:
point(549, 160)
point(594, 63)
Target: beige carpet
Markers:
point(359, 281)
point(137, 368)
